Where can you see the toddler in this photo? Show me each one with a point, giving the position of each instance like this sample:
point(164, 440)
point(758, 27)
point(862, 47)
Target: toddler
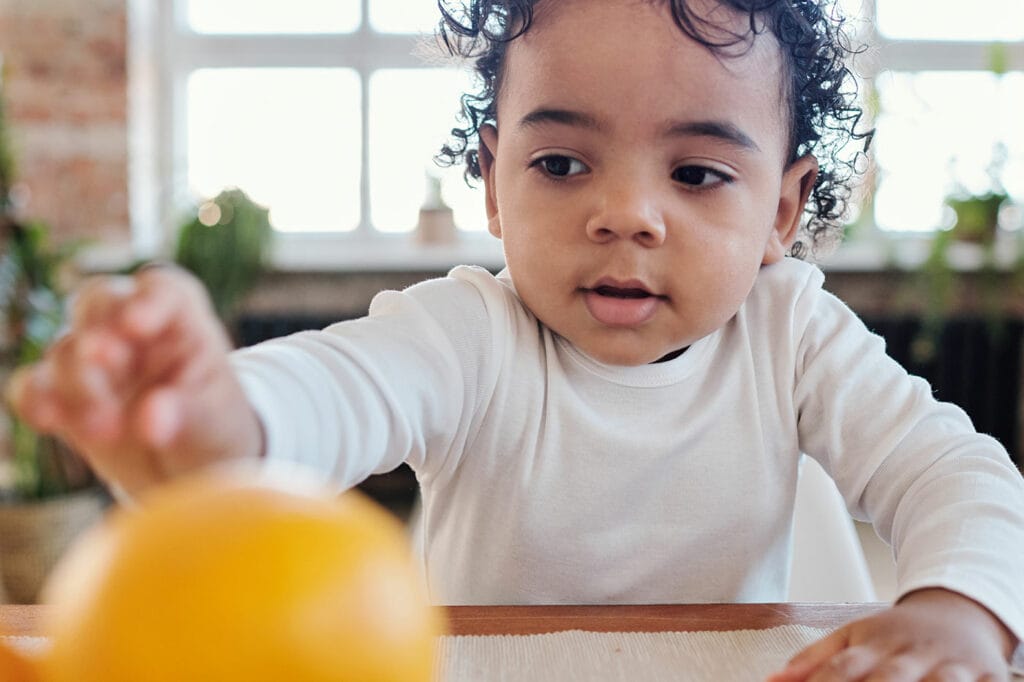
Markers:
point(619, 416)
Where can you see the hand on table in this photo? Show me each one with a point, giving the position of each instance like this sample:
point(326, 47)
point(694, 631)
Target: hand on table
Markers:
point(930, 635)
point(140, 384)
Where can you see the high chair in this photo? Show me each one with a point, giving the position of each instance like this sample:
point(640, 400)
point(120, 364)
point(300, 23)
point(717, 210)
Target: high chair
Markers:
point(828, 561)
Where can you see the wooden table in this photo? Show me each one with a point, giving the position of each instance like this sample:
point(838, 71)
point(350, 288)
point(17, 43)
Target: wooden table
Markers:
point(516, 620)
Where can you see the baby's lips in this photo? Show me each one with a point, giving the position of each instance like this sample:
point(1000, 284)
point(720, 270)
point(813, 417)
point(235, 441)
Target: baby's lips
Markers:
point(620, 311)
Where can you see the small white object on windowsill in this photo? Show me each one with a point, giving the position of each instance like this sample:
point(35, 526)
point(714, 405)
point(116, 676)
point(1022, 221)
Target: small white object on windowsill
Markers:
point(436, 224)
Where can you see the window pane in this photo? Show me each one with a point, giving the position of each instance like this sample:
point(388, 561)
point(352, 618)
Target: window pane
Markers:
point(937, 133)
point(273, 16)
point(982, 20)
point(402, 16)
point(412, 112)
point(290, 138)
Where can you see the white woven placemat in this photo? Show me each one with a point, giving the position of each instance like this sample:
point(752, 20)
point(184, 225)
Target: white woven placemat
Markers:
point(598, 656)
point(581, 656)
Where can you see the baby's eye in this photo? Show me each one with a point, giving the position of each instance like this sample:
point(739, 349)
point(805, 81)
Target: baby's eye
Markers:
point(699, 176)
point(560, 166)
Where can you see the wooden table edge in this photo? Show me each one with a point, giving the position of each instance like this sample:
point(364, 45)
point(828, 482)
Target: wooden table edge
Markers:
point(522, 620)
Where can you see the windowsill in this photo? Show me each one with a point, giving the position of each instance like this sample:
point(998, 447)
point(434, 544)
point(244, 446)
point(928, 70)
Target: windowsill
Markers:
point(908, 251)
point(307, 253)
point(310, 253)
point(383, 253)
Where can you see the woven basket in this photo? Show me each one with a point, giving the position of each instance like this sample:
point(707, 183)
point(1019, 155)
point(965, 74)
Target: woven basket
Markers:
point(34, 535)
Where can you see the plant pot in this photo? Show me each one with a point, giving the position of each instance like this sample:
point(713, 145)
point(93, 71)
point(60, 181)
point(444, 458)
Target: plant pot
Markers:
point(34, 535)
point(977, 217)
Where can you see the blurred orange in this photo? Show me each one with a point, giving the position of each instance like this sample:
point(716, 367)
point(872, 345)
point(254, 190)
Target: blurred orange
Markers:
point(14, 667)
point(214, 580)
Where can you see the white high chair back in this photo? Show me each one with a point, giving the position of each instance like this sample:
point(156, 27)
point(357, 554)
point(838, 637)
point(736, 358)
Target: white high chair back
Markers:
point(828, 561)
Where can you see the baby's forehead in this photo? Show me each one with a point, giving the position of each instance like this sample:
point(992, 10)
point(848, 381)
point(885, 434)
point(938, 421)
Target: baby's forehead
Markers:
point(611, 56)
point(737, 40)
point(563, 29)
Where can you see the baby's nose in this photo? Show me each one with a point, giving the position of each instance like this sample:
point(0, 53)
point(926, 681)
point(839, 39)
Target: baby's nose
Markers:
point(628, 213)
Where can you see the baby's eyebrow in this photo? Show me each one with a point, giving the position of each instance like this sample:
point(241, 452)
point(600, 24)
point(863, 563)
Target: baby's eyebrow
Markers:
point(539, 117)
point(722, 130)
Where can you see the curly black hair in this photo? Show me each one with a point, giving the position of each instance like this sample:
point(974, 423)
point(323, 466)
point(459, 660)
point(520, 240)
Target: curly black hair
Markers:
point(821, 89)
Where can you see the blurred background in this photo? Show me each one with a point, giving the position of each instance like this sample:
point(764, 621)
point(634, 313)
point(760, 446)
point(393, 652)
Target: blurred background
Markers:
point(127, 123)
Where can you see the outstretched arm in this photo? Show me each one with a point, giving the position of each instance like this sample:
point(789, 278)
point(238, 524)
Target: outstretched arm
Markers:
point(948, 499)
point(140, 384)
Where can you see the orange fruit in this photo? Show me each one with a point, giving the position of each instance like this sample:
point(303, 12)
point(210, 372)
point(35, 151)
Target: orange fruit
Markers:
point(211, 579)
point(14, 667)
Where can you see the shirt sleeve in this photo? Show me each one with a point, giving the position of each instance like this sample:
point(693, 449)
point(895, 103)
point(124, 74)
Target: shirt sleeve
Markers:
point(363, 396)
point(948, 499)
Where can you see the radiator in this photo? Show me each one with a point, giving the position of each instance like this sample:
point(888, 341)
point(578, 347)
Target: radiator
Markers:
point(976, 364)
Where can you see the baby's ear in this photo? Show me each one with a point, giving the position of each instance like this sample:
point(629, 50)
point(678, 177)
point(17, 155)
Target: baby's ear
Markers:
point(797, 182)
point(488, 146)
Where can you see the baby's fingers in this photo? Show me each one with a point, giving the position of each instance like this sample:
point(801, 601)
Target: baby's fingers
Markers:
point(42, 402)
point(142, 307)
point(30, 393)
point(836, 658)
point(907, 667)
point(85, 391)
point(160, 418)
point(954, 672)
point(99, 299)
point(167, 300)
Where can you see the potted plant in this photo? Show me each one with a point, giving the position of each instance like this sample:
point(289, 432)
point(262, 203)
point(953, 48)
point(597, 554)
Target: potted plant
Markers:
point(48, 495)
point(976, 227)
point(976, 214)
point(225, 244)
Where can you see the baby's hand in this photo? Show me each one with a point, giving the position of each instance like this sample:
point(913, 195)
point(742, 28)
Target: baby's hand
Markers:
point(931, 634)
point(140, 385)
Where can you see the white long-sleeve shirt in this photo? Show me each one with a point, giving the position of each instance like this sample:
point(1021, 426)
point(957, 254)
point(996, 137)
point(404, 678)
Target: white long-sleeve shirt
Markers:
point(549, 477)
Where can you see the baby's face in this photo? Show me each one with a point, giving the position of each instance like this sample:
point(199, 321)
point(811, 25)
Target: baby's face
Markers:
point(638, 182)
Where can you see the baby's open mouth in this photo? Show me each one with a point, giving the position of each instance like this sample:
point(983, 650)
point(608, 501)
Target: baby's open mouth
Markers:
point(616, 292)
point(625, 304)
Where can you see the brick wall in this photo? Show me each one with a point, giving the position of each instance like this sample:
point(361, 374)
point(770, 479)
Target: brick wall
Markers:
point(64, 85)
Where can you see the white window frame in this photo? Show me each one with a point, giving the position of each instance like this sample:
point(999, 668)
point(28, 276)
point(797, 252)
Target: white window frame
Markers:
point(163, 51)
point(875, 248)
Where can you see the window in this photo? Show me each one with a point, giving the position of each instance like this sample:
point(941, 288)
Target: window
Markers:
point(290, 137)
point(328, 112)
point(948, 90)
